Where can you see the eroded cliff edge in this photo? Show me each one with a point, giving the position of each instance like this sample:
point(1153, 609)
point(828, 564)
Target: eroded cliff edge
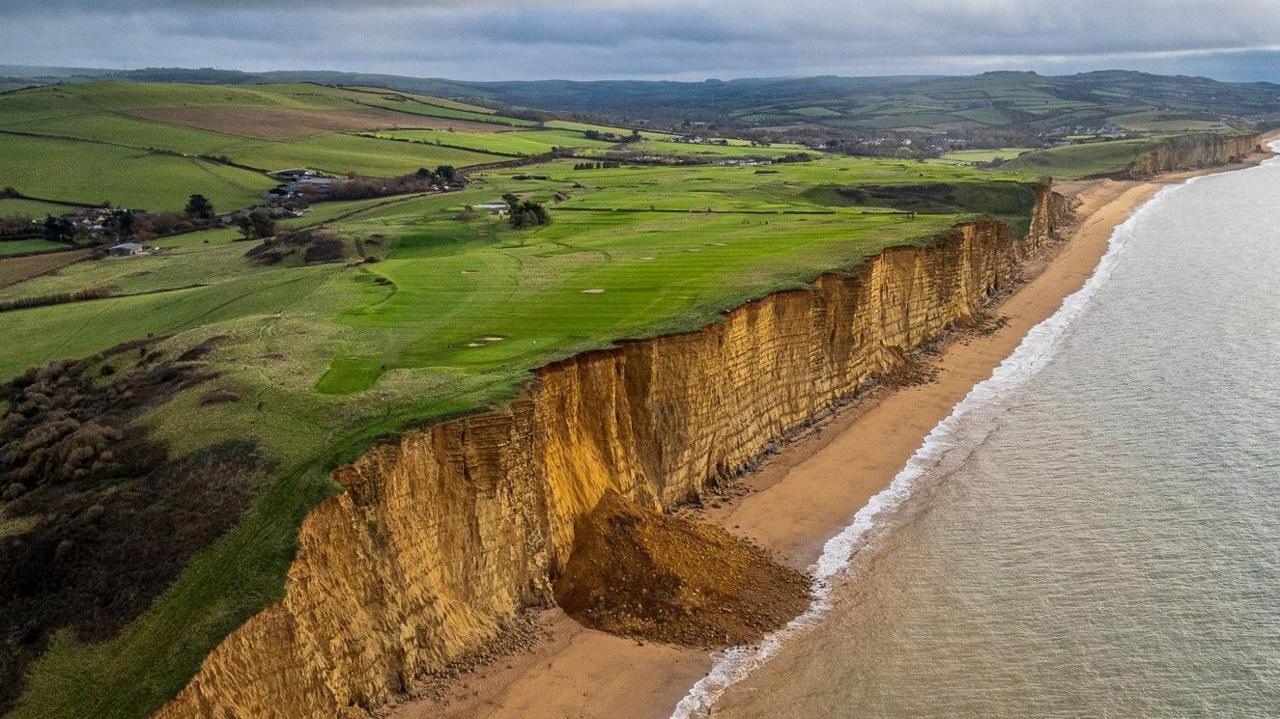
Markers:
point(439, 538)
point(1189, 152)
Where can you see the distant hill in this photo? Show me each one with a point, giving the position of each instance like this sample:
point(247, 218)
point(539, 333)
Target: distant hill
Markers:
point(996, 104)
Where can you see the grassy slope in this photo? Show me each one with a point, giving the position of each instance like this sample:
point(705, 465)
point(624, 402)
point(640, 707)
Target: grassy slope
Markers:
point(1005, 100)
point(90, 172)
point(339, 154)
point(667, 147)
point(13, 247)
point(526, 142)
point(10, 207)
point(1084, 160)
point(1160, 121)
point(429, 106)
point(128, 160)
point(967, 157)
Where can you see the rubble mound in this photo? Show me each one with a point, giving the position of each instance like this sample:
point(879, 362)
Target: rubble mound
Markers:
point(643, 574)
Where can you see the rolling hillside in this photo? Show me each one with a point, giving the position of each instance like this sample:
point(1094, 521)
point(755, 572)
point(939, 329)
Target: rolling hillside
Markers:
point(1005, 102)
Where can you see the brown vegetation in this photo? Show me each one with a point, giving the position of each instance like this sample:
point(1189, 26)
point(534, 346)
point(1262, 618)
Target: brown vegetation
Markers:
point(22, 303)
point(221, 395)
point(316, 245)
point(277, 123)
point(655, 576)
point(20, 269)
point(107, 517)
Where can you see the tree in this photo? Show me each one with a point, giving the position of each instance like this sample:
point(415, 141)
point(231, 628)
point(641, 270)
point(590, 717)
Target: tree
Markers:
point(199, 207)
point(527, 213)
point(447, 173)
point(58, 229)
point(256, 225)
point(122, 223)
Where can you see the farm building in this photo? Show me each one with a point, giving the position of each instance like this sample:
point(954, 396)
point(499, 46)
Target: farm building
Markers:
point(126, 249)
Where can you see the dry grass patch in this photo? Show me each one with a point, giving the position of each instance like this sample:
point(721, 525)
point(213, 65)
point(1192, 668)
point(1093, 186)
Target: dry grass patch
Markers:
point(20, 269)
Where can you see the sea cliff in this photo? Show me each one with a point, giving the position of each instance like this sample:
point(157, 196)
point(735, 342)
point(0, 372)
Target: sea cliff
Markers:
point(439, 538)
point(1189, 152)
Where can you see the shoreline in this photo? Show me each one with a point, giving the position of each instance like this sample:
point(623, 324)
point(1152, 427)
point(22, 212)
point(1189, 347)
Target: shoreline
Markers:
point(578, 672)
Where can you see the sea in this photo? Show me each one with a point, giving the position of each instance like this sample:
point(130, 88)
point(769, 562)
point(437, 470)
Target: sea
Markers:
point(1095, 530)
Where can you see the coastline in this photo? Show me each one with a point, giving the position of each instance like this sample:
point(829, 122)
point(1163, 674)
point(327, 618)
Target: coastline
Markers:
point(577, 672)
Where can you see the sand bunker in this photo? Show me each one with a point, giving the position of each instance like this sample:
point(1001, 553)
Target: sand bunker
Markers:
point(648, 575)
point(594, 291)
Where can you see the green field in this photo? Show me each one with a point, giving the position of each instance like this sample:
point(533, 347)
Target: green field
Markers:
point(92, 172)
point(970, 157)
point(708, 150)
point(449, 316)
point(11, 207)
point(815, 111)
point(526, 142)
point(339, 154)
point(433, 107)
point(584, 126)
point(1083, 160)
point(16, 247)
point(127, 131)
point(87, 143)
point(427, 99)
point(1160, 121)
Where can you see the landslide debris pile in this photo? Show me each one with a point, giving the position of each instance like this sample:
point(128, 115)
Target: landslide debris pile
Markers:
point(644, 574)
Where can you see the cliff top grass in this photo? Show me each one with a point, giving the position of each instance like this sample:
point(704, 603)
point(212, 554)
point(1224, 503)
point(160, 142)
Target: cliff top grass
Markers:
point(312, 363)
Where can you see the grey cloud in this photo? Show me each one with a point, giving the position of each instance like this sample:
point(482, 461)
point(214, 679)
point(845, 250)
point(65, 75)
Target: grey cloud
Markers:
point(687, 39)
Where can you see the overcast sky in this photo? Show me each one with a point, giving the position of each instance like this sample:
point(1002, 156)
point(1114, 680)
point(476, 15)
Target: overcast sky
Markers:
point(674, 39)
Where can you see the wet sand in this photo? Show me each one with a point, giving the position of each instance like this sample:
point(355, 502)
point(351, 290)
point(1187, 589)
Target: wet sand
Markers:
point(802, 496)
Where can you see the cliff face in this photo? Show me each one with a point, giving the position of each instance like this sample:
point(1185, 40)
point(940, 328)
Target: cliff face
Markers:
point(439, 538)
point(1189, 152)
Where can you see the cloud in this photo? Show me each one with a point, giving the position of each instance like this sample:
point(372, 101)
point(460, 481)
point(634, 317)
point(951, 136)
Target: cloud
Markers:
point(685, 39)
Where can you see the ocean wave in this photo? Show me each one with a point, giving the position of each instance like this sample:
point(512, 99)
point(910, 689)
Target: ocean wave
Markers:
point(970, 422)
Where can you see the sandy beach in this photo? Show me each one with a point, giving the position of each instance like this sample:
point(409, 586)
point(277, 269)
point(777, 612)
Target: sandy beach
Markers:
point(802, 496)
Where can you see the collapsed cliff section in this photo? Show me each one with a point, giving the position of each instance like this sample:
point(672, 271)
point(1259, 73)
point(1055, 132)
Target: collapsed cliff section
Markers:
point(1191, 152)
point(440, 537)
point(639, 573)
